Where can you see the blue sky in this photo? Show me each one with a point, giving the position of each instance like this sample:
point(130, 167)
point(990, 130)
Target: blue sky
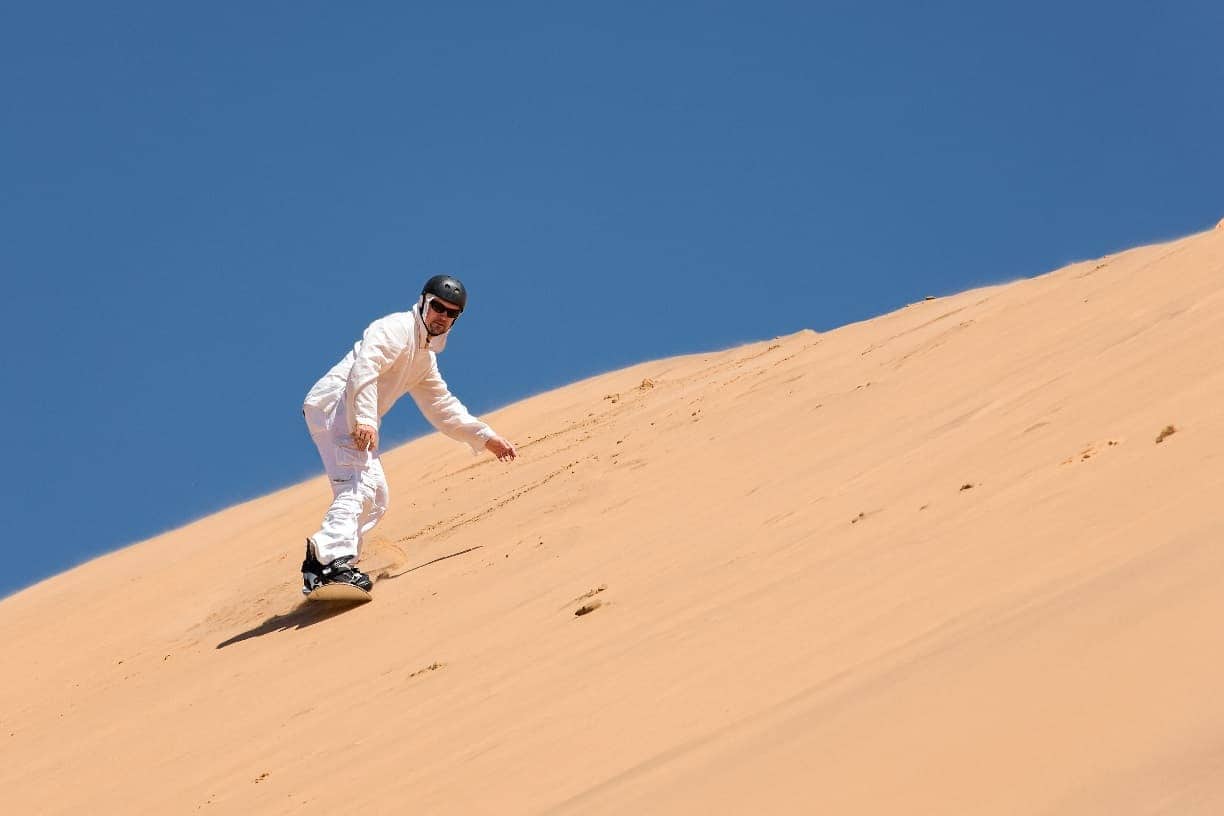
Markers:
point(203, 206)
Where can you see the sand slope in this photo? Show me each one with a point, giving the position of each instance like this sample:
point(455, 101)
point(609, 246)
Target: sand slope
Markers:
point(934, 563)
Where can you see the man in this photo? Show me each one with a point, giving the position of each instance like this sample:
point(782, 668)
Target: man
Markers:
point(397, 355)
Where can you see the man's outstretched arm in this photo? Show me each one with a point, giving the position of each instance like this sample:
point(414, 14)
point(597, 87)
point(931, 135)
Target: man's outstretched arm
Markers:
point(446, 413)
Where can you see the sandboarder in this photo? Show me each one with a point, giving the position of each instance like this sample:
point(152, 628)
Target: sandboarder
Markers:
point(396, 355)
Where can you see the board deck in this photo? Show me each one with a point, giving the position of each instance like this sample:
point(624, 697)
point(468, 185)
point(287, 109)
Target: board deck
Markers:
point(340, 592)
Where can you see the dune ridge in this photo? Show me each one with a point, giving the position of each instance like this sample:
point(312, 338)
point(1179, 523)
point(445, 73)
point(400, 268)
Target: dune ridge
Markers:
point(960, 558)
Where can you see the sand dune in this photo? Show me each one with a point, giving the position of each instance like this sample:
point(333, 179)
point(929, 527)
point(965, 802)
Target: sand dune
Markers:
point(937, 562)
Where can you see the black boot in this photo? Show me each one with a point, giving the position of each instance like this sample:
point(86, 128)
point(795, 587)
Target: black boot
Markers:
point(312, 570)
point(342, 571)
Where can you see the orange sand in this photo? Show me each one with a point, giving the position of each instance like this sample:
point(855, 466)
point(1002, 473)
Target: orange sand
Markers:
point(931, 563)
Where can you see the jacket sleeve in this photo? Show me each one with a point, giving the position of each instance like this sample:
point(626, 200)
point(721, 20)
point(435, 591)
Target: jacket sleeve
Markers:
point(446, 413)
point(382, 343)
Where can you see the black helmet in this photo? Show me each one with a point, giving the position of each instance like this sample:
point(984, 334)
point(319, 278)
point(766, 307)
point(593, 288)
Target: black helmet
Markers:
point(447, 288)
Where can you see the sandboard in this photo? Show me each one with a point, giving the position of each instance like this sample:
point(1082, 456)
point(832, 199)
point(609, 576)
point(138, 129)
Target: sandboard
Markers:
point(345, 593)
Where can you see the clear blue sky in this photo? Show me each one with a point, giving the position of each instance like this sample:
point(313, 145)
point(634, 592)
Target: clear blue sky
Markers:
point(204, 205)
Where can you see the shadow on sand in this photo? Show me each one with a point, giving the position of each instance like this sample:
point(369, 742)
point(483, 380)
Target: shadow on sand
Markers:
point(308, 614)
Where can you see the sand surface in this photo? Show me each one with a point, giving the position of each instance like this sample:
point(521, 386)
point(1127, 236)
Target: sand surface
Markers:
point(932, 563)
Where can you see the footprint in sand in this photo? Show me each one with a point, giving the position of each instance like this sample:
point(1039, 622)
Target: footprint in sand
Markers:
point(592, 603)
point(588, 607)
point(1089, 451)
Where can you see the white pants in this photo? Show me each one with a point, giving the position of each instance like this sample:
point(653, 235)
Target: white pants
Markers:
point(359, 486)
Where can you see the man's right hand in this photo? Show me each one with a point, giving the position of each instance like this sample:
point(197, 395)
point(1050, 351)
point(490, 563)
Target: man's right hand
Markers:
point(365, 437)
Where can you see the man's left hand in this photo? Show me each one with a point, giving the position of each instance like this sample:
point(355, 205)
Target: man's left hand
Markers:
point(501, 448)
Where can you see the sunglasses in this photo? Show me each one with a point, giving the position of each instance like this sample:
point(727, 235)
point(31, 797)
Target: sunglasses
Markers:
point(440, 309)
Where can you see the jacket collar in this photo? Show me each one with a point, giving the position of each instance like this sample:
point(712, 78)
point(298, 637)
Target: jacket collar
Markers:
point(435, 344)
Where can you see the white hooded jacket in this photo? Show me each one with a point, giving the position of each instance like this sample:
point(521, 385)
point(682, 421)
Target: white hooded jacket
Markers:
point(396, 356)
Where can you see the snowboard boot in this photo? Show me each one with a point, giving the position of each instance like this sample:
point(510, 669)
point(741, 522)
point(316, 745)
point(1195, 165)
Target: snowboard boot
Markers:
point(312, 570)
point(340, 571)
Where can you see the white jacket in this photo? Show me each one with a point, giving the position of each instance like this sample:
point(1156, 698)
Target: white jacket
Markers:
point(395, 356)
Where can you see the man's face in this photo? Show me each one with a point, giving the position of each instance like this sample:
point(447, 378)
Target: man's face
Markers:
point(440, 314)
